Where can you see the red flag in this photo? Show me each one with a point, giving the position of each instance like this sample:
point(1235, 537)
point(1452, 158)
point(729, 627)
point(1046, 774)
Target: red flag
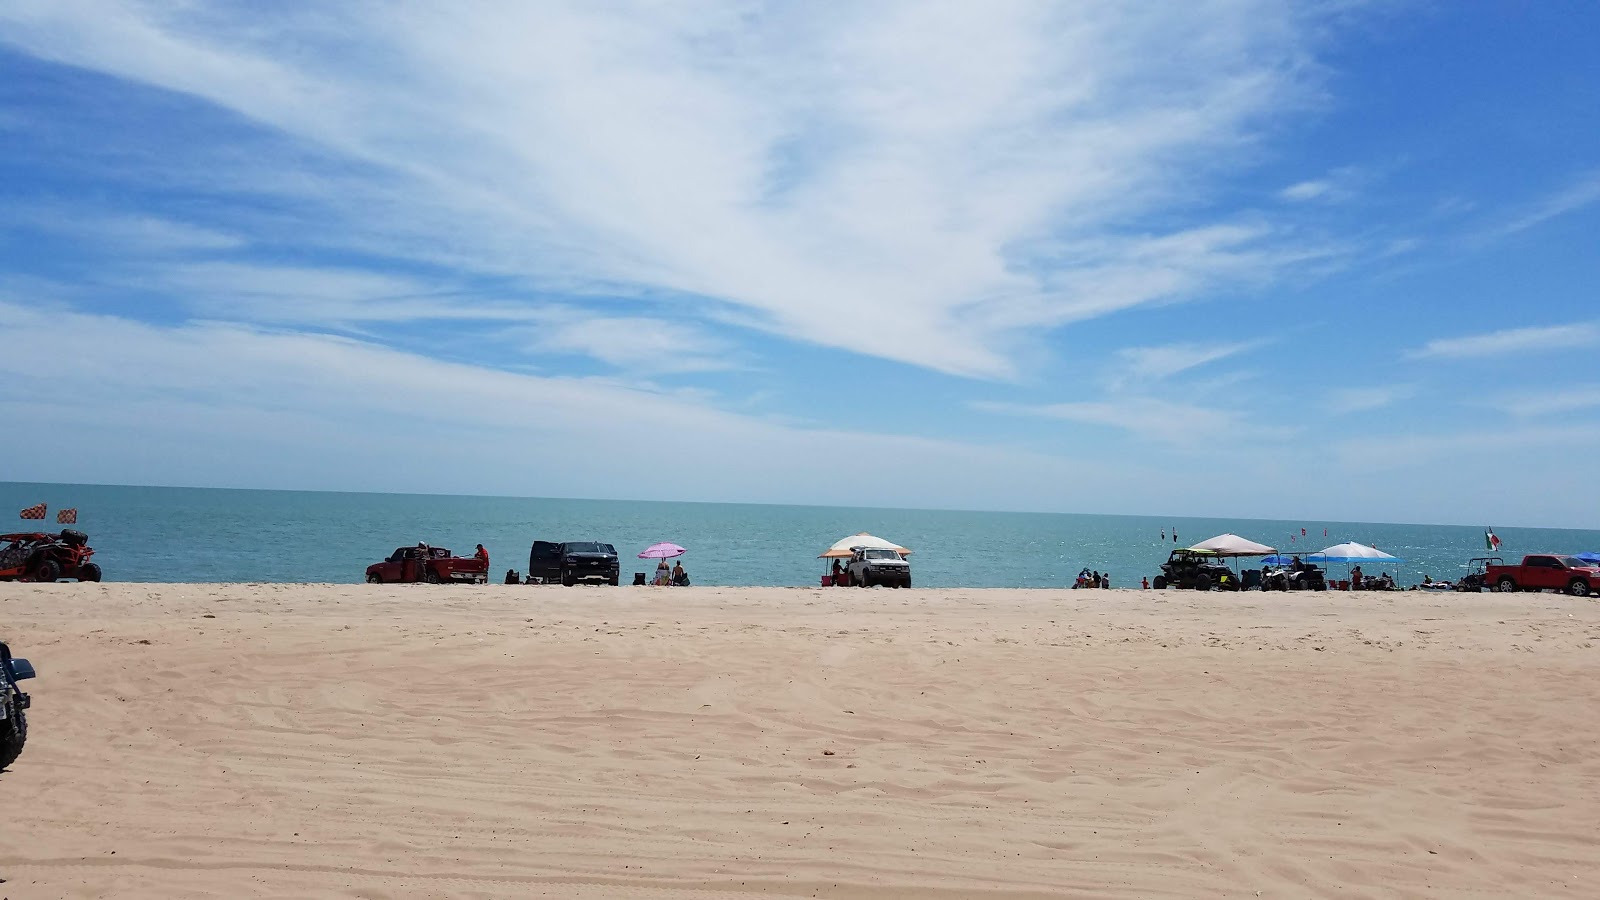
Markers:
point(67, 516)
point(34, 512)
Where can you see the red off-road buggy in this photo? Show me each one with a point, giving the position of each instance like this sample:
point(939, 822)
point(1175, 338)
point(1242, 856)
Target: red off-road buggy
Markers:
point(38, 556)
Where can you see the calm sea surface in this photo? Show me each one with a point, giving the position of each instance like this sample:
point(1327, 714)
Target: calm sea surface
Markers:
point(154, 534)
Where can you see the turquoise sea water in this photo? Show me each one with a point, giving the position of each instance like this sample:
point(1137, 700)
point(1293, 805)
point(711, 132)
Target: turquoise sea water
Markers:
point(154, 534)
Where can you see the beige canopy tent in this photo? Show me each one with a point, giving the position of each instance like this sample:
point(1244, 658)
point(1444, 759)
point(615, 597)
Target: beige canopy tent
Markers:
point(842, 548)
point(1232, 545)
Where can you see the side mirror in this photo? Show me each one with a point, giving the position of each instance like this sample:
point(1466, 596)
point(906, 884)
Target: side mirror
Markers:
point(21, 670)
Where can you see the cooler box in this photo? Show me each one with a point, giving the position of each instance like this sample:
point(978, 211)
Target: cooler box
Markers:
point(827, 581)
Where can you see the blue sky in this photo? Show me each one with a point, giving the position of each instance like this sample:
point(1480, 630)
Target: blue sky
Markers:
point(1240, 257)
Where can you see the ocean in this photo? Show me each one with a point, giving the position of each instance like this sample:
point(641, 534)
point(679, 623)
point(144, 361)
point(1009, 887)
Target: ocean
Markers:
point(163, 534)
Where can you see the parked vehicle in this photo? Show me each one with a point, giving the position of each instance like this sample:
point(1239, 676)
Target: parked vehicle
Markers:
point(1546, 571)
point(572, 562)
point(871, 566)
point(41, 556)
point(434, 565)
point(1477, 571)
point(1195, 569)
point(1286, 578)
point(13, 706)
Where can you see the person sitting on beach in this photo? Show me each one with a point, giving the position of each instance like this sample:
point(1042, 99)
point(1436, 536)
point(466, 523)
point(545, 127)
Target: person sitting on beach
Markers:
point(482, 554)
point(663, 573)
point(680, 578)
point(1426, 579)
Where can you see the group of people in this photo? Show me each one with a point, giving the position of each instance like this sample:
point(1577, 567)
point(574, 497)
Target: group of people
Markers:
point(671, 576)
point(1088, 579)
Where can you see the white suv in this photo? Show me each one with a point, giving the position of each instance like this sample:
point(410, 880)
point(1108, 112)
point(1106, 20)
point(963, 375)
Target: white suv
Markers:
point(871, 566)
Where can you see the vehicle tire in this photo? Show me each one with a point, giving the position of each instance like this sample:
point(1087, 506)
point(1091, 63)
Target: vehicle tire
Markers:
point(1505, 585)
point(864, 581)
point(13, 734)
point(1202, 582)
point(614, 580)
point(432, 577)
point(47, 571)
point(567, 580)
point(89, 572)
point(374, 578)
point(1578, 588)
point(1160, 583)
point(908, 582)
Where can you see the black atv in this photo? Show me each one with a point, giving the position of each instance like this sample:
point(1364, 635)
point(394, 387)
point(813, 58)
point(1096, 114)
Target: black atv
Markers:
point(1306, 578)
point(1197, 570)
point(1477, 570)
point(13, 702)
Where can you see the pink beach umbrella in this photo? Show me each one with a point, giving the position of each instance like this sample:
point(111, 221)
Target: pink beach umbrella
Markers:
point(662, 550)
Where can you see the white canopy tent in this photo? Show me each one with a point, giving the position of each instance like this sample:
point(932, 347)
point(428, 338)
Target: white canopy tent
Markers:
point(842, 548)
point(1232, 545)
point(1351, 552)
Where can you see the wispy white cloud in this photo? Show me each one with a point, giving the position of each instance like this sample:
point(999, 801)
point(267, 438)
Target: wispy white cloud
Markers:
point(1511, 340)
point(1344, 401)
point(1165, 361)
point(967, 171)
point(636, 344)
point(1388, 452)
point(1566, 399)
point(1306, 190)
point(1165, 421)
point(1582, 192)
point(339, 413)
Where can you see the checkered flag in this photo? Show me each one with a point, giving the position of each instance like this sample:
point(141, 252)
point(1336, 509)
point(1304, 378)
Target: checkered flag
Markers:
point(34, 512)
point(67, 516)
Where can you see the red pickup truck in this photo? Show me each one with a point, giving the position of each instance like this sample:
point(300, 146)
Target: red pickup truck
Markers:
point(1546, 571)
point(434, 565)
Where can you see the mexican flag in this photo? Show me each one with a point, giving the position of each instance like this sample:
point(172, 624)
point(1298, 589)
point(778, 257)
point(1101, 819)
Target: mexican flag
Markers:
point(1491, 541)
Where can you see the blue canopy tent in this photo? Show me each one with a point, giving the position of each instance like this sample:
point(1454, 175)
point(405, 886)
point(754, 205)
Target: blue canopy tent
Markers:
point(1589, 557)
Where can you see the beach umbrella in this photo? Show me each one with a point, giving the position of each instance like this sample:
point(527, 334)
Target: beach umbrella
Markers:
point(1233, 545)
point(1277, 560)
point(844, 548)
point(662, 550)
point(1351, 552)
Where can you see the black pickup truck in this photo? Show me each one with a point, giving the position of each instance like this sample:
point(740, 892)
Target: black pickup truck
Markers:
point(572, 562)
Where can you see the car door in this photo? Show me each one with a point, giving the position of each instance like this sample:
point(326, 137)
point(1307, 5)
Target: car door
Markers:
point(1543, 572)
point(544, 561)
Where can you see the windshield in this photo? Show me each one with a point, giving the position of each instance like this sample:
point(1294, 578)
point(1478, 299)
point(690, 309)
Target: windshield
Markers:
point(879, 554)
point(589, 547)
point(1572, 562)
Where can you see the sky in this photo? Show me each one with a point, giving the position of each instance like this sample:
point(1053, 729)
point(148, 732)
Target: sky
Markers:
point(1330, 260)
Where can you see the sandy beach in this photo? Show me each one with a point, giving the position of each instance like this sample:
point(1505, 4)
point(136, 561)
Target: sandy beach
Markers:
point(355, 741)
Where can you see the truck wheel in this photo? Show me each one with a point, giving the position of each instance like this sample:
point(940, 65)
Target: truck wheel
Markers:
point(13, 734)
point(1160, 583)
point(1578, 588)
point(47, 571)
point(431, 576)
point(1202, 582)
point(567, 580)
point(374, 578)
point(1505, 585)
point(89, 572)
point(614, 580)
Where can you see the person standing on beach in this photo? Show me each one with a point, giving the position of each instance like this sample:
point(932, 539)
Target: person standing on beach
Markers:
point(1105, 581)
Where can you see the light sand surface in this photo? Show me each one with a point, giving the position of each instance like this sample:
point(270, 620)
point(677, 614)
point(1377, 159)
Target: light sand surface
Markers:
point(316, 741)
